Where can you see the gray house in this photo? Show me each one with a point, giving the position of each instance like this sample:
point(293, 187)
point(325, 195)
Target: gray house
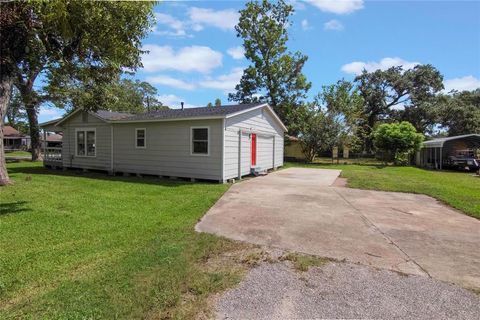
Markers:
point(213, 143)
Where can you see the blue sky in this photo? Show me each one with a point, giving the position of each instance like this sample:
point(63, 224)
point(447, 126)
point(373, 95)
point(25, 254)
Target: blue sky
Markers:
point(196, 57)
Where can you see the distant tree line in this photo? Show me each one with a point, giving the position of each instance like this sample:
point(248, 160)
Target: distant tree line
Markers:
point(346, 113)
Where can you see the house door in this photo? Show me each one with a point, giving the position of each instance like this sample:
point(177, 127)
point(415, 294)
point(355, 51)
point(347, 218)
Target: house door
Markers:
point(254, 149)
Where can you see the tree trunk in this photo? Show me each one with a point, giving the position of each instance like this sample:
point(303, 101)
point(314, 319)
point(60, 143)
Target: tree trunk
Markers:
point(5, 91)
point(34, 130)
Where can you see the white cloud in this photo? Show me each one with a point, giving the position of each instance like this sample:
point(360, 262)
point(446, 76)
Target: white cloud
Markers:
point(296, 4)
point(333, 25)
point(177, 27)
point(194, 58)
point(49, 113)
point(305, 25)
point(170, 82)
point(357, 67)
point(337, 6)
point(467, 83)
point(226, 82)
point(223, 19)
point(236, 52)
point(173, 101)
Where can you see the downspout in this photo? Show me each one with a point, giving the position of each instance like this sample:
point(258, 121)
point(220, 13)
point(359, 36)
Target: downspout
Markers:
point(240, 154)
point(112, 171)
point(223, 151)
point(273, 152)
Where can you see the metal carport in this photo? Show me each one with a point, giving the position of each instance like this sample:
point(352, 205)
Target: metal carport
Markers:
point(435, 153)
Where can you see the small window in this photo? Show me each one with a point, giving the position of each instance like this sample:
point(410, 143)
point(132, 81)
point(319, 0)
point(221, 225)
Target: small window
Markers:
point(140, 138)
point(86, 143)
point(200, 141)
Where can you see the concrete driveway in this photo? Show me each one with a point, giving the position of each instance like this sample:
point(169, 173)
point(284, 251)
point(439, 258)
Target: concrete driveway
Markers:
point(298, 209)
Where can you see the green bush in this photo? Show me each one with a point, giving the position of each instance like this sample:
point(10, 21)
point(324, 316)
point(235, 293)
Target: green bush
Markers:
point(398, 140)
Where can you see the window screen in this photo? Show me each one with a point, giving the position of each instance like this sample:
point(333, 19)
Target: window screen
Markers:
point(200, 141)
point(140, 138)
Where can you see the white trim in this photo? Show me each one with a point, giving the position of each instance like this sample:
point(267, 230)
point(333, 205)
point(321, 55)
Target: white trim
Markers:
point(75, 112)
point(246, 110)
point(258, 107)
point(274, 114)
point(144, 138)
point(208, 141)
point(85, 139)
point(68, 116)
point(223, 148)
point(167, 120)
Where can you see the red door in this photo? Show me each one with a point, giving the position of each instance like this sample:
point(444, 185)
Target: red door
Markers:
point(254, 149)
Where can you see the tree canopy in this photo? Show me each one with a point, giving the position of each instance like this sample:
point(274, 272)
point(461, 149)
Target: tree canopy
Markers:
point(88, 42)
point(459, 113)
point(124, 95)
point(275, 74)
point(397, 139)
point(398, 94)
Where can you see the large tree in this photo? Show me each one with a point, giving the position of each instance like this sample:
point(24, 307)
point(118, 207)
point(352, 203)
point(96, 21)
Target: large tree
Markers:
point(16, 115)
point(459, 112)
point(398, 94)
point(275, 75)
point(123, 95)
point(90, 41)
point(343, 101)
point(320, 129)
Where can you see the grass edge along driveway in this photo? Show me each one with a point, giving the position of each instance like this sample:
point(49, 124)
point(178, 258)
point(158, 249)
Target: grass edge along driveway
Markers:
point(460, 190)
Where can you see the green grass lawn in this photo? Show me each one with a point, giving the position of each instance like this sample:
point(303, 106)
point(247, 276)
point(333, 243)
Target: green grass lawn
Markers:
point(93, 246)
point(90, 247)
point(461, 190)
point(18, 154)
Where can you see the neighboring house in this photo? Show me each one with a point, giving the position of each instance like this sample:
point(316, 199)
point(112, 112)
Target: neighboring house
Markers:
point(14, 140)
point(293, 149)
point(214, 143)
point(51, 140)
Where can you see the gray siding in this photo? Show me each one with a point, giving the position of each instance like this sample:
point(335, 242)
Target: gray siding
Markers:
point(168, 146)
point(167, 150)
point(103, 143)
point(258, 121)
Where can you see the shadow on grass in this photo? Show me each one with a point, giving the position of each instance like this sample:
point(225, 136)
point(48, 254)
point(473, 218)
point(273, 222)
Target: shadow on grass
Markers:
point(13, 207)
point(100, 175)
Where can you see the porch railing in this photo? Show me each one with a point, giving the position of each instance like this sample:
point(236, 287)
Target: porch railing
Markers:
point(53, 154)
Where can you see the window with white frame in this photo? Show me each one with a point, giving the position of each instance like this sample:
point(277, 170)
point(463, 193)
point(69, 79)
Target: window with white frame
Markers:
point(86, 142)
point(141, 138)
point(200, 141)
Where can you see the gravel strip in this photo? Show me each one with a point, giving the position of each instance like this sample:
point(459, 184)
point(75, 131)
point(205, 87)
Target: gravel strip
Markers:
point(343, 291)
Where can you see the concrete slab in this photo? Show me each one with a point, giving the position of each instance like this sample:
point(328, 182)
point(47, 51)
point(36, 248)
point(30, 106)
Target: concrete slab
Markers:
point(298, 209)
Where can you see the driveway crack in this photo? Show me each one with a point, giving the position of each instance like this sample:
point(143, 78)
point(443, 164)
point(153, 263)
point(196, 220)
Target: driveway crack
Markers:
point(389, 240)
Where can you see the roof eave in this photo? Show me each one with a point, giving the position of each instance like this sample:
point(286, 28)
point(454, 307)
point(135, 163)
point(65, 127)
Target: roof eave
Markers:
point(167, 120)
point(258, 107)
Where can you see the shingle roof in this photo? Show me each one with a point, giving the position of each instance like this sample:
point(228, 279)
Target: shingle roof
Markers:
point(190, 112)
point(53, 138)
point(9, 131)
point(112, 115)
point(169, 114)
